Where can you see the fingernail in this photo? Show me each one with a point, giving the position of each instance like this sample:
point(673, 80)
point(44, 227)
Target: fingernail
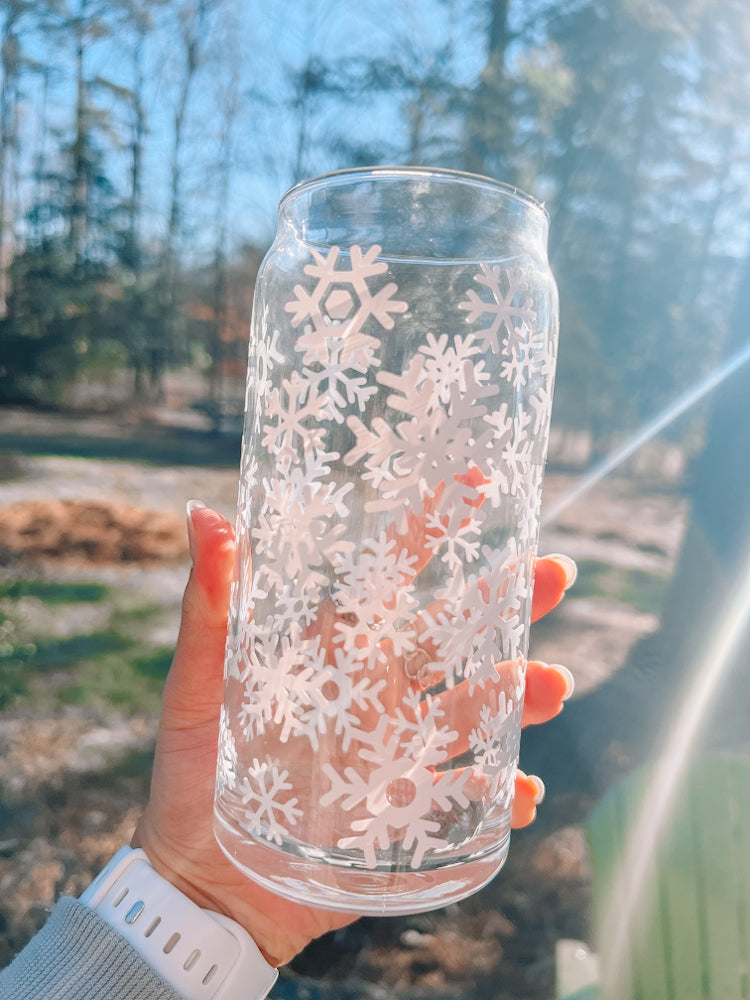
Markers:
point(541, 791)
point(568, 566)
point(570, 681)
point(190, 506)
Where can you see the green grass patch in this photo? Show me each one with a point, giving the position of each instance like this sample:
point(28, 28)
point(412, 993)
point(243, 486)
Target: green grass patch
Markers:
point(589, 579)
point(12, 681)
point(54, 593)
point(62, 654)
point(72, 694)
point(114, 667)
point(108, 681)
point(156, 666)
point(641, 590)
point(645, 591)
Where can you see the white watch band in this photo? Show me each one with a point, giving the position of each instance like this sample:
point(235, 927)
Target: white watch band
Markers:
point(202, 955)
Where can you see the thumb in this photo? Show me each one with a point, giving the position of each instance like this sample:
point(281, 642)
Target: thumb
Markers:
point(194, 687)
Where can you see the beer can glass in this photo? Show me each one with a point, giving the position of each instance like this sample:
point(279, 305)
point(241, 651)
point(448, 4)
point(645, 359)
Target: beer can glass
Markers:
point(400, 378)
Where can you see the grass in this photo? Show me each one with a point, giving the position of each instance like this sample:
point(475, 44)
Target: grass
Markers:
point(114, 667)
point(641, 590)
point(54, 593)
point(62, 654)
point(156, 666)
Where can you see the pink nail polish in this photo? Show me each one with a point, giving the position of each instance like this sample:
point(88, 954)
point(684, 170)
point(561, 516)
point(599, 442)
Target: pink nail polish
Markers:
point(570, 680)
point(190, 506)
point(569, 567)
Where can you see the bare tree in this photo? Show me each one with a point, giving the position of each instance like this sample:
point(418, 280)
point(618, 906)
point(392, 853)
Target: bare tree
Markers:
point(10, 66)
point(192, 32)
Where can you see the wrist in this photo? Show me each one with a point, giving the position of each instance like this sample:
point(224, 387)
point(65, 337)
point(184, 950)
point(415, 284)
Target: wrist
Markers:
point(204, 955)
point(179, 875)
point(212, 882)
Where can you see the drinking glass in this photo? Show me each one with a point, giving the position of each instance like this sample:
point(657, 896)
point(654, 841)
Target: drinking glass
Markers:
point(399, 389)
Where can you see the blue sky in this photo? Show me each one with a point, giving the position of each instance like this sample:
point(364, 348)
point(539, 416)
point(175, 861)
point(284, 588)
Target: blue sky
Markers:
point(265, 42)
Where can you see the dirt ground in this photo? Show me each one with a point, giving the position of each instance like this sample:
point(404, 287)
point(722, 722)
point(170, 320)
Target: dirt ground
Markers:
point(72, 779)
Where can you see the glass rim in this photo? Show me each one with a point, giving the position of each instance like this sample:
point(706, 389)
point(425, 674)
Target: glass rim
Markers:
point(405, 172)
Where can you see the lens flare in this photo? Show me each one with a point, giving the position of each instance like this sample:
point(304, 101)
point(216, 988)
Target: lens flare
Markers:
point(646, 434)
point(643, 837)
point(623, 905)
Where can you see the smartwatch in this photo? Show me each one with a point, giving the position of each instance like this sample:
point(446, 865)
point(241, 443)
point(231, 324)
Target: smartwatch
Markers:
point(201, 954)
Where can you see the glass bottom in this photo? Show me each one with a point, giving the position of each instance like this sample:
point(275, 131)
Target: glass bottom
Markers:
point(356, 890)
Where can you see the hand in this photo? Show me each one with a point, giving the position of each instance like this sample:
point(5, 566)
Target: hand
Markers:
point(176, 830)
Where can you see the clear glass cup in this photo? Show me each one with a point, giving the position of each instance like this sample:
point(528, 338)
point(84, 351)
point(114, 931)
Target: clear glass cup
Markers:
point(399, 389)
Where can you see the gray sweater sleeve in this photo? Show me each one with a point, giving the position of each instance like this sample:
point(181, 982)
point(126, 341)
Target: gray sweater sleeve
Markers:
point(78, 956)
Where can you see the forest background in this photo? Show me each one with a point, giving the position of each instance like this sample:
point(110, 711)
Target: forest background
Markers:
point(145, 143)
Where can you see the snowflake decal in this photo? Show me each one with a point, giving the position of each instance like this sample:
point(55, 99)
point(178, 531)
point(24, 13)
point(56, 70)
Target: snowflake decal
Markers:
point(445, 365)
point(345, 382)
point(266, 356)
point(296, 416)
point(375, 601)
point(284, 676)
point(480, 621)
point(494, 743)
point(388, 510)
point(266, 813)
point(398, 789)
point(340, 304)
point(428, 453)
point(349, 693)
point(300, 527)
point(226, 772)
point(511, 313)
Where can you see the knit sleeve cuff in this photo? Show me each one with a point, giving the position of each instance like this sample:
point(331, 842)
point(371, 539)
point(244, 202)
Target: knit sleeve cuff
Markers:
point(78, 956)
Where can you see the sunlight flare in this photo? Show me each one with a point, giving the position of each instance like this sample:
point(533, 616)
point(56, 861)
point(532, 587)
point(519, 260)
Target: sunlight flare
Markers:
point(646, 434)
point(628, 884)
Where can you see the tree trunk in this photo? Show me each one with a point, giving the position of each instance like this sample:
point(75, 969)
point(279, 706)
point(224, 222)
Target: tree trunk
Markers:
point(192, 38)
point(9, 66)
point(488, 118)
point(79, 193)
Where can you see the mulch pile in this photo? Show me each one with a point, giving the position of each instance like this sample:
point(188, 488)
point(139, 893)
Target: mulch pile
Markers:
point(89, 532)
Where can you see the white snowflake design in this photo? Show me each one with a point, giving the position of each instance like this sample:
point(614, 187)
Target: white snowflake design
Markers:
point(349, 692)
point(226, 771)
point(445, 365)
point(265, 356)
point(374, 597)
point(300, 527)
point(510, 310)
point(266, 814)
point(494, 743)
point(427, 454)
point(480, 621)
point(340, 304)
point(293, 413)
point(447, 437)
point(459, 546)
point(284, 675)
point(398, 787)
point(345, 382)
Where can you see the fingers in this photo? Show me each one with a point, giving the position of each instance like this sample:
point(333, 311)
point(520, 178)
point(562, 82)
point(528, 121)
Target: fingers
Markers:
point(194, 686)
point(553, 575)
point(548, 686)
point(212, 550)
point(423, 530)
point(528, 795)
